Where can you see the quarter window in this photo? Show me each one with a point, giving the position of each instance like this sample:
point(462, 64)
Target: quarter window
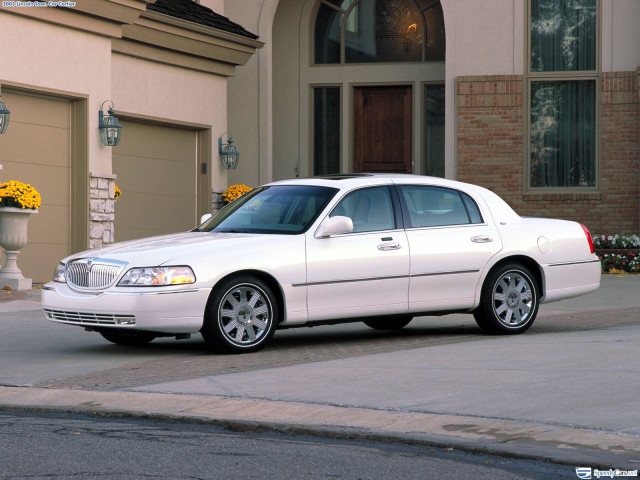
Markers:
point(438, 207)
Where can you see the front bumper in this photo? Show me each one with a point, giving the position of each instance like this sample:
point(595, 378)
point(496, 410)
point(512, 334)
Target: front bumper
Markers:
point(153, 309)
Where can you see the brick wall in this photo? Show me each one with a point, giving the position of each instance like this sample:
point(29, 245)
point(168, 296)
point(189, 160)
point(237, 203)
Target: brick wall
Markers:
point(490, 151)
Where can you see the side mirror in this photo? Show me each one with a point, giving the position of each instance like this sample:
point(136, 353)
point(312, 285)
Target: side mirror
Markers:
point(205, 217)
point(335, 226)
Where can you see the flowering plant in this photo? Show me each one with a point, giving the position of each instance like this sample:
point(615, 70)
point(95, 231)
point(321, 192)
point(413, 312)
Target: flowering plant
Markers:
point(117, 193)
point(233, 192)
point(618, 263)
point(19, 195)
point(616, 241)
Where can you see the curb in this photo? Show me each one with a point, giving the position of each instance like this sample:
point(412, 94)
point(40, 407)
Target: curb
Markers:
point(556, 443)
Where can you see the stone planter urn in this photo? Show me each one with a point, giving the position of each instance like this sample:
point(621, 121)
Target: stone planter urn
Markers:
point(13, 237)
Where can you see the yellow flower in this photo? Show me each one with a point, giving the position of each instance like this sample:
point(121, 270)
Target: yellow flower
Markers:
point(19, 195)
point(117, 193)
point(233, 192)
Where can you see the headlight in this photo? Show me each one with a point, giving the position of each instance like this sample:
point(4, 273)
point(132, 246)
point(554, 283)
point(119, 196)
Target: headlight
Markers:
point(151, 276)
point(60, 273)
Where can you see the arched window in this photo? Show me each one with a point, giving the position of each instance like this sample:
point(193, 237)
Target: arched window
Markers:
point(373, 31)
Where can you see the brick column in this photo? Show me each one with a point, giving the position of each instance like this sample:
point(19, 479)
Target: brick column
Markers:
point(101, 209)
point(490, 133)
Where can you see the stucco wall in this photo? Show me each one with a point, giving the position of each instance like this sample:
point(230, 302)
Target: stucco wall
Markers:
point(49, 58)
point(620, 35)
point(244, 96)
point(172, 94)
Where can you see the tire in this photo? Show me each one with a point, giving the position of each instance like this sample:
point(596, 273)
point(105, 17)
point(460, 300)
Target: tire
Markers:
point(391, 323)
point(128, 338)
point(509, 301)
point(241, 316)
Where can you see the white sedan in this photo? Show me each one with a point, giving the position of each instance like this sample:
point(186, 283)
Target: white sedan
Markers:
point(379, 249)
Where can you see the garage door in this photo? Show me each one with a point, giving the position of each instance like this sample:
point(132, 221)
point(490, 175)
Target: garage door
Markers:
point(156, 169)
point(35, 149)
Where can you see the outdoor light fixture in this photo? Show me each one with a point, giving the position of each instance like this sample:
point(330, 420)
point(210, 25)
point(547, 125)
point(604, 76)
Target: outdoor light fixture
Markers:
point(110, 128)
point(228, 152)
point(5, 114)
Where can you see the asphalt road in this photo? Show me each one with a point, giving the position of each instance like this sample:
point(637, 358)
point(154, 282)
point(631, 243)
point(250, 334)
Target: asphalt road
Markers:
point(45, 446)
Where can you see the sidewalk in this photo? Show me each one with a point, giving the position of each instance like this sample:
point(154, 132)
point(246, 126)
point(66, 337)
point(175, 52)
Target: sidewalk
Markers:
point(570, 397)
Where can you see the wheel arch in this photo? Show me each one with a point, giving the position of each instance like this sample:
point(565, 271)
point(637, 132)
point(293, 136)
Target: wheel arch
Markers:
point(533, 266)
point(266, 278)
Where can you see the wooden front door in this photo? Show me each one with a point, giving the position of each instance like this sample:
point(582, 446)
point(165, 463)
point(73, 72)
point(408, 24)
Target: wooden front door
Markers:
point(382, 129)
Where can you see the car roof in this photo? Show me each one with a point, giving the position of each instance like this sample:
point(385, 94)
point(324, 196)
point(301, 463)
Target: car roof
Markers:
point(350, 181)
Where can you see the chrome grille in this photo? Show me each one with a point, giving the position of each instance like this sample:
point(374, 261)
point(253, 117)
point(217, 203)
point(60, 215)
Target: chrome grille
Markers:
point(93, 273)
point(86, 318)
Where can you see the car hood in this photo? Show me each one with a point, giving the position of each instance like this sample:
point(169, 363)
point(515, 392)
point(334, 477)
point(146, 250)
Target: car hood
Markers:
point(161, 249)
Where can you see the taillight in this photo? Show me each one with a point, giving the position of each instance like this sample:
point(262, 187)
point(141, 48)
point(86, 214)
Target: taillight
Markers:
point(589, 239)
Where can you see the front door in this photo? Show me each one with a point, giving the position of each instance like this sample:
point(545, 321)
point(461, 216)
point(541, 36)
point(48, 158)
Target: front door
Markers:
point(382, 129)
point(365, 272)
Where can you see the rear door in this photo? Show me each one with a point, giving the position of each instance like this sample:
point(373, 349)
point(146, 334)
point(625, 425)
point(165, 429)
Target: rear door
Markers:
point(364, 272)
point(451, 241)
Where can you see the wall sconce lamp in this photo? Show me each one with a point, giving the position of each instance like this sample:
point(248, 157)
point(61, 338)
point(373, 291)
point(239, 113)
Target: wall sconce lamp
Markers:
point(110, 128)
point(5, 114)
point(228, 152)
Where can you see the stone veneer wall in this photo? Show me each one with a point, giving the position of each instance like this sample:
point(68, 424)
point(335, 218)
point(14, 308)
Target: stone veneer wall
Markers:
point(490, 151)
point(101, 209)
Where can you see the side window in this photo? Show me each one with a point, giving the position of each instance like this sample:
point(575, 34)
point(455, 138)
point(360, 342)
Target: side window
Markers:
point(370, 209)
point(437, 206)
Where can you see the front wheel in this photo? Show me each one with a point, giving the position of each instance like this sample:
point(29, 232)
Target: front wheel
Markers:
point(241, 316)
point(509, 301)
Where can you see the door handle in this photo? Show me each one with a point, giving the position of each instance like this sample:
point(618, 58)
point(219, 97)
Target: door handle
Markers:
point(389, 246)
point(481, 239)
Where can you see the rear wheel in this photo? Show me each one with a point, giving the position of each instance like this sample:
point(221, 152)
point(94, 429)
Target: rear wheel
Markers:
point(393, 323)
point(509, 301)
point(128, 338)
point(241, 316)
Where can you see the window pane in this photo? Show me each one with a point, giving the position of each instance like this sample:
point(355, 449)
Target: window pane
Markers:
point(563, 35)
point(434, 19)
point(434, 130)
point(563, 122)
point(434, 206)
point(327, 35)
point(326, 130)
point(388, 31)
point(472, 208)
point(370, 210)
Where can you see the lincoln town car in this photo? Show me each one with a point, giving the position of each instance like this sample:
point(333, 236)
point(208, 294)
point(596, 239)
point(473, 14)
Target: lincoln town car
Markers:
point(372, 248)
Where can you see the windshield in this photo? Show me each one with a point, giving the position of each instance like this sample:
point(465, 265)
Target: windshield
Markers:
point(282, 209)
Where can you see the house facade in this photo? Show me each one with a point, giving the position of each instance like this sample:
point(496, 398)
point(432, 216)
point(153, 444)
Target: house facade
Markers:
point(538, 100)
point(163, 66)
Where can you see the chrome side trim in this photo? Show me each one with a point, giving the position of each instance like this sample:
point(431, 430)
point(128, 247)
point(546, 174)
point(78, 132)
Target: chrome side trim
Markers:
point(461, 272)
point(581, 262)
point(373, 279)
